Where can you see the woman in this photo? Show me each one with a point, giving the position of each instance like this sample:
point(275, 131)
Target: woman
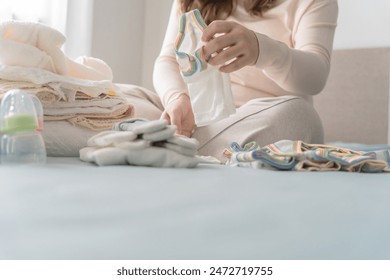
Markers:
point(277, 53)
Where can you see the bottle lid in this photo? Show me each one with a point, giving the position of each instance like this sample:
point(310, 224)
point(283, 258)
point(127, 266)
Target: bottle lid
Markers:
point(17, 112)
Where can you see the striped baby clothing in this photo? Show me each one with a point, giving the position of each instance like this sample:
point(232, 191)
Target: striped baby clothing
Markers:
point(300, 156)
point(209, 89)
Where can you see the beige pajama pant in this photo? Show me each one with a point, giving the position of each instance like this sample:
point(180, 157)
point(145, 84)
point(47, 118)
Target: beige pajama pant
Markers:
point(264, 120)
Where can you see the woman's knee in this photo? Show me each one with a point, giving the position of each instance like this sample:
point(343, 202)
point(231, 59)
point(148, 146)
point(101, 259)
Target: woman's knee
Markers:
point(295, 119)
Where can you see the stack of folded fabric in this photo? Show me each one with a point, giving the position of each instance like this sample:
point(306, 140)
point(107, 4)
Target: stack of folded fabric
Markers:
point(300, 156)
point(80, 91)
point(144, 143)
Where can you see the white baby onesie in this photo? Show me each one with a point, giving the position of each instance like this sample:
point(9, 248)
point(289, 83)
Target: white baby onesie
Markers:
point(209, 89)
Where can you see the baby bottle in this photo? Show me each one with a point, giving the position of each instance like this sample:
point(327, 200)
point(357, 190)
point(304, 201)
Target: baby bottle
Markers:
point(39, 111)
point(20, 129)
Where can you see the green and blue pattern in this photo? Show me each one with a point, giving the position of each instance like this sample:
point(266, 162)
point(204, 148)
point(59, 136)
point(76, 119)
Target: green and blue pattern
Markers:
point(192, 59)
point(300, 156)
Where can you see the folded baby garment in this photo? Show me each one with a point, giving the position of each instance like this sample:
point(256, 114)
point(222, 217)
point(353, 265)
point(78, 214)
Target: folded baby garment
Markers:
point(96, 105)
point(159, 134)
point(80, 91)
point(34, 45)
point(300, 156)
point(142, 142)
point(209, 89)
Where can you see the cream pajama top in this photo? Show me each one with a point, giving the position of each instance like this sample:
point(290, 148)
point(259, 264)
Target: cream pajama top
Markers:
point(295, 43)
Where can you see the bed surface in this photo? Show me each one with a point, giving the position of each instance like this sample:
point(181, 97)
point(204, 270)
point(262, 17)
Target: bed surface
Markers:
point(68, 209)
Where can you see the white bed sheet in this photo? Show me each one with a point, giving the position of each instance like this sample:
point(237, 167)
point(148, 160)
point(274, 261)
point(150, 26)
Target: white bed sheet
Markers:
point(68, 209)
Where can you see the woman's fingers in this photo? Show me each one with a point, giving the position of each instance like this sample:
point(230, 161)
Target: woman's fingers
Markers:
point(165, 116)
point(216, 27)
point(217, 45)
point(179, 113)
point(236, 64)
point(176, 119)
point(225, 56)
point(230, 45)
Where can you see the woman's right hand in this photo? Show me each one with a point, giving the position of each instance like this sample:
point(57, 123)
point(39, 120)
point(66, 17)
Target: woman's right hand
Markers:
point(179, 113)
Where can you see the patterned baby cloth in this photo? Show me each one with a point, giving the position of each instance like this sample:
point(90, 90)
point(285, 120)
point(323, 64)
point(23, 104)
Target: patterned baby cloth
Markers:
point(209, 89)
point(300, 156)
point(144, 143)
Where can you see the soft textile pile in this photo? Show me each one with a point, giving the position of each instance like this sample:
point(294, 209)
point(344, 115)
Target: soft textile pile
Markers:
point(297, 155)
point(79, 91)
point(142, 142)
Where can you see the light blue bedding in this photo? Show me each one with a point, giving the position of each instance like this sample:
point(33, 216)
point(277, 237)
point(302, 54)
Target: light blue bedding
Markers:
point(69, 209)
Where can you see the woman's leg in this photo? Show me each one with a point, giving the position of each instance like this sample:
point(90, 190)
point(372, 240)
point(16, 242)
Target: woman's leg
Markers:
point(146, 103)
point(265, 121)
point(64, 139)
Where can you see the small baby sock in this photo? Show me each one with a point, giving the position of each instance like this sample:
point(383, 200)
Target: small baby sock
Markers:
point(161, 135)
point(150, 156)
point(142, 142)
point(178, 149)
point(107, 138)
point(134, 145)
point(185, 142)
point(141, 126)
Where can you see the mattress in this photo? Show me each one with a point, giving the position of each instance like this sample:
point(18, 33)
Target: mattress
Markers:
point(68, 209)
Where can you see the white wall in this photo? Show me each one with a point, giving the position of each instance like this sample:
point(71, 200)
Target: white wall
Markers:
point(117, 37)
point(79, 28)
point(127, 34)
point(156, 20)
point(363, 24)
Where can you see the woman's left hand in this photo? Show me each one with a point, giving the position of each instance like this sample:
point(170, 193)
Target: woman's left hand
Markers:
point(237, 46)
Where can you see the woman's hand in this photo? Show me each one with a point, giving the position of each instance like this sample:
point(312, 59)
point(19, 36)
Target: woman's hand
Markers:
point(237, 45)
point(179, 113)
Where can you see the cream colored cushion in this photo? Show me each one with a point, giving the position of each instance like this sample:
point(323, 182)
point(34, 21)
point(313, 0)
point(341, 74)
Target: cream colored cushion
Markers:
point(354, 106)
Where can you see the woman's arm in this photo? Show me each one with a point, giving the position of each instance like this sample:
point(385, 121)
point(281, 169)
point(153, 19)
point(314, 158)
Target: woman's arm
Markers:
point(169, 83)
point(167, 79)
point(301, 70)
point(304, 68)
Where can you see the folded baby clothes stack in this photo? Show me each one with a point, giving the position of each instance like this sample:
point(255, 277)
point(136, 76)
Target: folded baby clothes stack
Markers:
point(80, 91)
point(35, 45)
point(144, 143)
point(96, 105)
point(300, 156)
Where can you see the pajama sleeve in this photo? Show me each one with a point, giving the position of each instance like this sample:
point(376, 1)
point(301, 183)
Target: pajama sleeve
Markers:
point(301, 69)
point(304, 68)
point(167, 79)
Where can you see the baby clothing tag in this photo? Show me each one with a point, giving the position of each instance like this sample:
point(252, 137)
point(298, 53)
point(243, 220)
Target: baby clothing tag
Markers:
point(209, 89)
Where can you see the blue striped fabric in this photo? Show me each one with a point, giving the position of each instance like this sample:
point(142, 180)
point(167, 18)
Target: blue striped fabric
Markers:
point(190, 58)
point(300, 156)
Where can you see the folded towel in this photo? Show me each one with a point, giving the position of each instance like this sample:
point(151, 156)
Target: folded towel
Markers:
point(300, 156)
point(34, 45)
